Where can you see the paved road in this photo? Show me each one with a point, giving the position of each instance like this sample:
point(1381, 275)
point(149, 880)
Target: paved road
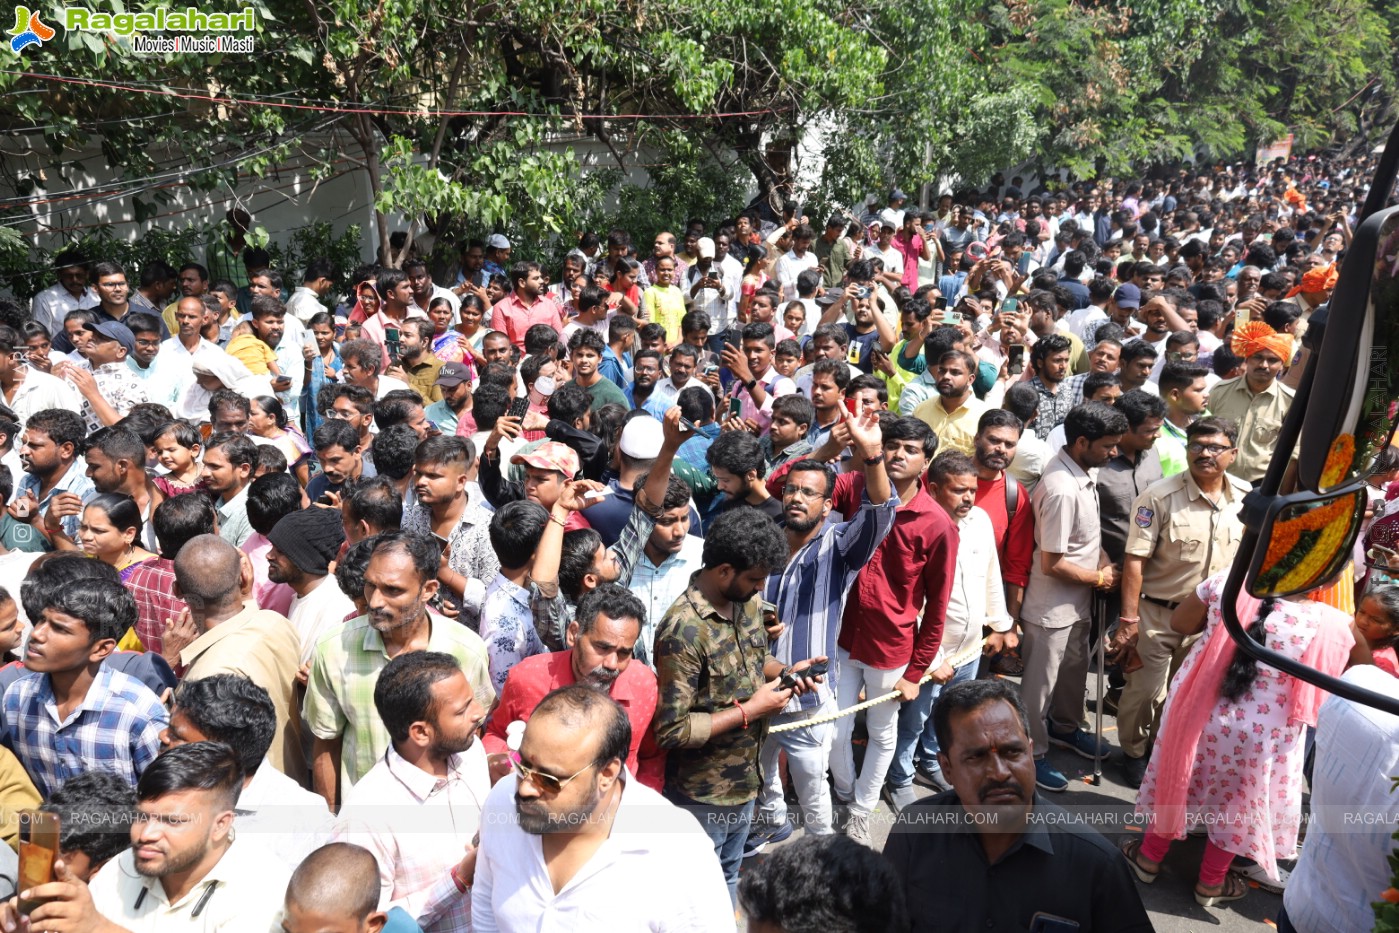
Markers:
point(1169, 900)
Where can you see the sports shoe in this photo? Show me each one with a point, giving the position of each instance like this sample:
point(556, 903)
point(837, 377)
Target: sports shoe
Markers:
point(1252, 871)
point(764, 834)
point(933, 778)
point(858, 829)
point(1133, 770)
point(1047, 778)
point(1080, 742)
point(900, 797)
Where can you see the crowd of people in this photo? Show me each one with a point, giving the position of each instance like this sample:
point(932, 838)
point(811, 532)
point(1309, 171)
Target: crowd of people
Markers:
point(505, 597)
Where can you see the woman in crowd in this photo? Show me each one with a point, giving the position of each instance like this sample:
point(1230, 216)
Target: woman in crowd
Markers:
point(1232, 740)
point(267, 419)
point(322, 367)
point(110, 531)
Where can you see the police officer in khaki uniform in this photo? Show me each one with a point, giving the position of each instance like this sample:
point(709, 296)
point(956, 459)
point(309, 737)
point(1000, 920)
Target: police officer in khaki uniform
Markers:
point(1184, 529)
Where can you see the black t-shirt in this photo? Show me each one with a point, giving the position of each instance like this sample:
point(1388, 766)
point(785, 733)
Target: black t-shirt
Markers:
point(771, 506)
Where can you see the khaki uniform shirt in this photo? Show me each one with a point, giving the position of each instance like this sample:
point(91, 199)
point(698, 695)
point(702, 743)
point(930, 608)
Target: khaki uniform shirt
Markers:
point(1259, 418)
point(1182, 536)
point(1066, 522)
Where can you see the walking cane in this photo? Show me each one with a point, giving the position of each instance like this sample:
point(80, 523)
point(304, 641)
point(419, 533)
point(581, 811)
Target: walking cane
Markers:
point(1100, 612)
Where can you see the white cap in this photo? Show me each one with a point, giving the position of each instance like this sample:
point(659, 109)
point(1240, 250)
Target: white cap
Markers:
point(497, 241)
point(642, 438)
point(704, 248)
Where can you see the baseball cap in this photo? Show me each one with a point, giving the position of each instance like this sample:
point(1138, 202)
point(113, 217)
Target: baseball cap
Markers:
point(704, 248)
point(1128, 296)
point(897, 195)
point(550, 455)
point(497, 241)
point(114, 330)
point(452, 374)
point(642, 438)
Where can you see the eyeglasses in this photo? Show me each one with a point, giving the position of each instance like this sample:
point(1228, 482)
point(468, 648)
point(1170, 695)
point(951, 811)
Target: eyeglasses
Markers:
point(803, 492)
point(1213, 450)
point(540, 779)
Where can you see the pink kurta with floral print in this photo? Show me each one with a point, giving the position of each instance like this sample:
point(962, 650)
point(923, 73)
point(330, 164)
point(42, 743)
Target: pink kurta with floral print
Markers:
point(1246, 783)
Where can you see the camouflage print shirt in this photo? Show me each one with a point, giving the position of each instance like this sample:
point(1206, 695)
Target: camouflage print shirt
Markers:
point(705, 661)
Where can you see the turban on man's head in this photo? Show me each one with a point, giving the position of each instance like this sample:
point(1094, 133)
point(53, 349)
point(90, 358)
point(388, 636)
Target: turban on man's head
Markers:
point(1254, 337)
point(1316, 281)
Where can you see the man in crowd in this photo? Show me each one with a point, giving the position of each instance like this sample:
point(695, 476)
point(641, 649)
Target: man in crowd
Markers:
point(526, 305)
point(399, 582)
point(1256, 401)
point(55, 483)
point(809, 594)
point(572, 797)
point(303, 545)
point(954, 413)
point(993, 817)
point(1068, 565)
point(214, 579)
point(601, 646)
point(229, 461)
point(891, 629)
point(1184, 529)
point(419, 808)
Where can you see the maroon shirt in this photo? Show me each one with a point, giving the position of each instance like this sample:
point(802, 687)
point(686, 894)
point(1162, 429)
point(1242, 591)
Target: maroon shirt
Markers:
point(635, 691)
point(912, 569)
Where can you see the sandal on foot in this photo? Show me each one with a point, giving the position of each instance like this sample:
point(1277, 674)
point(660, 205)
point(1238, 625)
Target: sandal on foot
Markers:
point(1130, 849)
point(1234, 888)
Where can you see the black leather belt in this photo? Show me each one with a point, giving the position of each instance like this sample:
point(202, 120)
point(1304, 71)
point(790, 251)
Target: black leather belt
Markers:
point(1164, 604)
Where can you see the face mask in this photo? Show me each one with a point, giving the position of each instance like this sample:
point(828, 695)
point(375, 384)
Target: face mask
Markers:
point(544, 385)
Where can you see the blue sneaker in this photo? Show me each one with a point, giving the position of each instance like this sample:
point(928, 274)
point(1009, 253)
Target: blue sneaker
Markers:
point(1080, 742)
point(1047, 778)
point(764, 834)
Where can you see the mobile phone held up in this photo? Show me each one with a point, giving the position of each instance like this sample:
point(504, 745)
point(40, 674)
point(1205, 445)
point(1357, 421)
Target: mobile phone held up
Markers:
point(1017, 359)
point(519, 407)
point(39, 833)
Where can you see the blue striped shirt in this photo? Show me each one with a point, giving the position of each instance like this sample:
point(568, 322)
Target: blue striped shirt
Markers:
point(810, 591)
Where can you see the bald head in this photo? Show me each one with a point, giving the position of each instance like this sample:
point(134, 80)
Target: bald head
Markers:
point(206, 571)
point(339, 881)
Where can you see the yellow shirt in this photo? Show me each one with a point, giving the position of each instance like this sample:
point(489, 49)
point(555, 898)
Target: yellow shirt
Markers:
point(252, 352)
point(955, 430)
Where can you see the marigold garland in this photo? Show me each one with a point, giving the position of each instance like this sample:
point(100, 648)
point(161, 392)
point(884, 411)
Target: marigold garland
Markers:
point(1300, 549)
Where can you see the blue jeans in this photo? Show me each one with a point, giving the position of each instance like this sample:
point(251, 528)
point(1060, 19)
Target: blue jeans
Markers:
point(916, 738)
point(726, 827)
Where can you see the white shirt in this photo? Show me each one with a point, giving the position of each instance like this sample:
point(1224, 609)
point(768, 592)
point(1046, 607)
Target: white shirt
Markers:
point(40, 391)
point(789, 267)
point(305, 304)
point(1343, 865)
point(418, 827)
point(1031, 455)
point(977, 597)
point(388, 384)
point(172, 371)
point(1083, 322)
point(250, 885)
point(281, 816)
point(656, 871)
point(316, 613)
point(51, 305)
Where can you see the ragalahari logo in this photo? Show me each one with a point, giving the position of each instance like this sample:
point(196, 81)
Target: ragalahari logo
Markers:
point(29, 30)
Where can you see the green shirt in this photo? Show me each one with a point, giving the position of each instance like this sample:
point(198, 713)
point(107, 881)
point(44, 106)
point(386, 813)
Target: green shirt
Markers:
point(704, 662)
point(344, 670)
point(603, 392)
point(1170, 446)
